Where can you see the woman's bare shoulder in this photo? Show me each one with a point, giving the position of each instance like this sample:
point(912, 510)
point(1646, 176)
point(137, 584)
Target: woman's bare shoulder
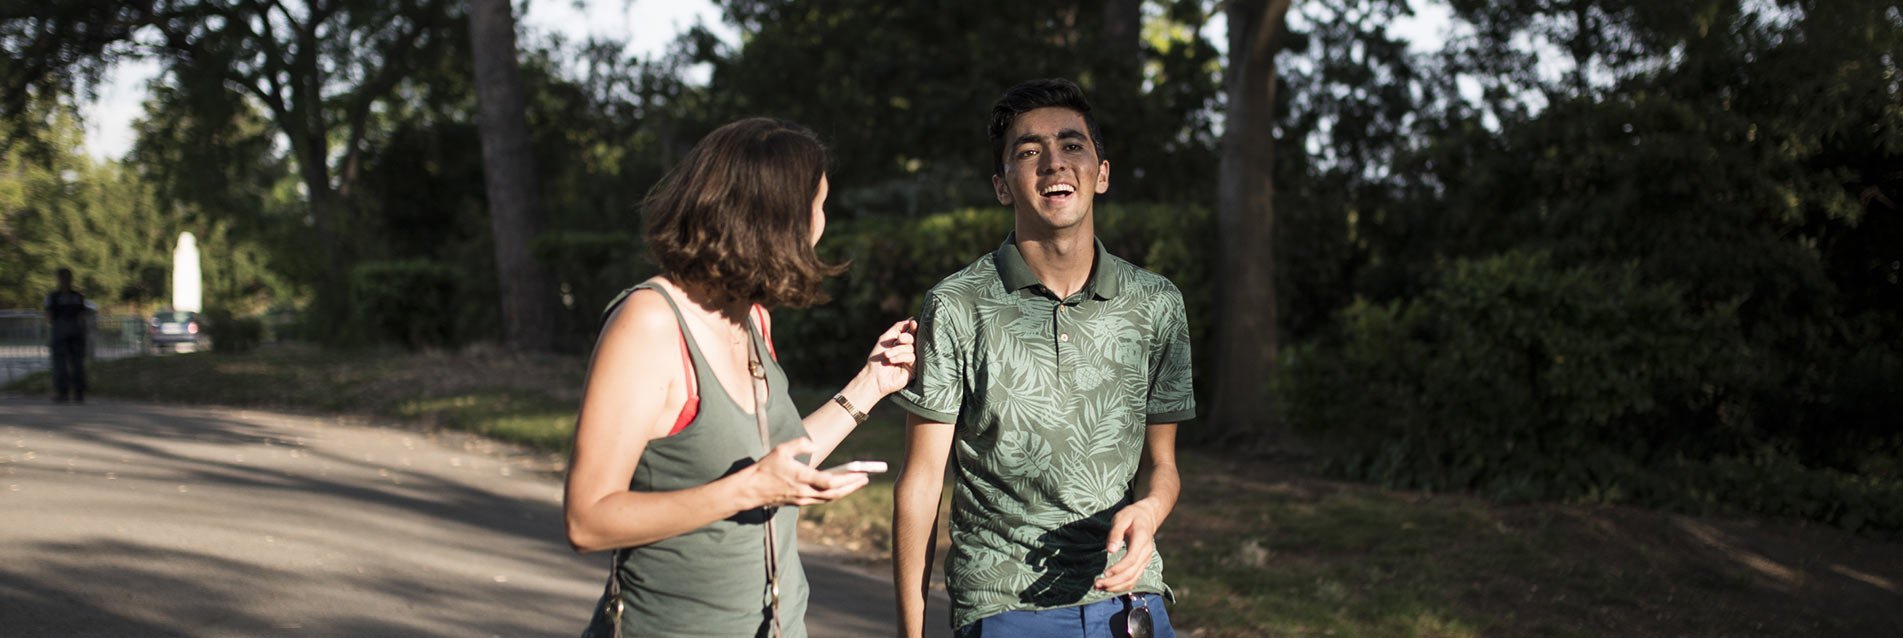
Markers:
point(643, 317)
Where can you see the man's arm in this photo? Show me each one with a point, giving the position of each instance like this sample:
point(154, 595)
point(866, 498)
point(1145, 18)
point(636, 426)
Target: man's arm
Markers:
point(915, 498)
point(1157, 487)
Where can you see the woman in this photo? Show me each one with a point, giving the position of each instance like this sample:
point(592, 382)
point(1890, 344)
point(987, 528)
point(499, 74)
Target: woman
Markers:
point(669, 466)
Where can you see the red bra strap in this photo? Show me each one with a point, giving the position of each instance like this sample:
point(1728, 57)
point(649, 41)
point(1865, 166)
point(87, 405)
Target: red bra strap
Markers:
point(692, 407)
point(687, 367)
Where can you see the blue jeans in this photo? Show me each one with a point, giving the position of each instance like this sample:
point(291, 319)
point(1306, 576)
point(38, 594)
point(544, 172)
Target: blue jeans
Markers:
point(1101, 619)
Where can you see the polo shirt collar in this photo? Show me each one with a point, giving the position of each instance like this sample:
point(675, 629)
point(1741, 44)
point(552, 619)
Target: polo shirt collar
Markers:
point(1016, 274)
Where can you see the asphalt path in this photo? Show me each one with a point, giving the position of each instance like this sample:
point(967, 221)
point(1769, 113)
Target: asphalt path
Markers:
point(132, 519)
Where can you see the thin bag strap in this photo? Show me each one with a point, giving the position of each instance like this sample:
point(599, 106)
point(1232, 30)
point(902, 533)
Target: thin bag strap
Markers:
point(766, 331)
point(758, 371)
point(614, 593)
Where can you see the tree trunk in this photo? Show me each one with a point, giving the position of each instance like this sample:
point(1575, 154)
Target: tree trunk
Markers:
point(1246, 324)
point(1123, 35)
point(331, 304)
point(508, 170)
point(1118, 93)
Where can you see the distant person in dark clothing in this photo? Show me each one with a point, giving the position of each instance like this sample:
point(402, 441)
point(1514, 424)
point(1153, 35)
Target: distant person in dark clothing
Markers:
point(66, 309)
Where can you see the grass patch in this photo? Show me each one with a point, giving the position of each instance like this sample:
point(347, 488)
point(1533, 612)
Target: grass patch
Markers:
point(510, 414)
point(1273, 552)
point(1253, 549)
point(527, 399)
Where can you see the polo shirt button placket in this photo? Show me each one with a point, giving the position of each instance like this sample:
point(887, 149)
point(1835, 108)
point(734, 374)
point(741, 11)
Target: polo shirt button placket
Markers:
point(1063, 337)
point(1062, 309)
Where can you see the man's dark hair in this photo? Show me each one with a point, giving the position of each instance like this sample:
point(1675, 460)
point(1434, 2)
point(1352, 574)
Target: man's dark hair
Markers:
point(736, 215)
point(63, 273)
point(1030, 96)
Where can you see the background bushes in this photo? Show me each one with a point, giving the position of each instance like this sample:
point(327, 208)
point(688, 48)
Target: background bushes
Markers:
point(1520, 379)
point(591, 269)
point(232, 333)
point(411, 302)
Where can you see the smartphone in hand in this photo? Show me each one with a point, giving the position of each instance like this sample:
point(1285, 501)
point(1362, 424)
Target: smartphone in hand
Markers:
point(863, 467)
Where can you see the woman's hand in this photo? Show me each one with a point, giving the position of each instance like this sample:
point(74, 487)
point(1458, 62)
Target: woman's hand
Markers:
point(890, 364)
point(781, 479)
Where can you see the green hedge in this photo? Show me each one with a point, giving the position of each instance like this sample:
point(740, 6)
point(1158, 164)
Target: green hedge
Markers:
point(1771, 481)
point(1520, 380)
point(590, 268)
point(232, 333)
point(895, 260)
point(412, 302)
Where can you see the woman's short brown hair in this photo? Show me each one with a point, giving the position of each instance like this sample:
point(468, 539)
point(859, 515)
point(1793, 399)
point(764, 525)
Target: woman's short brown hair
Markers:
point(735, 217)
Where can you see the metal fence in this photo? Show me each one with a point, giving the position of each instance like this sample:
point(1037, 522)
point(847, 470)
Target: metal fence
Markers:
point(24, 335)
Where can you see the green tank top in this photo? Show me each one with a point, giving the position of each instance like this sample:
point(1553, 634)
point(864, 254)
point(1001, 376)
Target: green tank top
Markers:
point(712, 581)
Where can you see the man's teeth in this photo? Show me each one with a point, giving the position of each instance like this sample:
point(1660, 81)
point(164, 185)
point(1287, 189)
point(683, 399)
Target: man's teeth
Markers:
point(1056, 190)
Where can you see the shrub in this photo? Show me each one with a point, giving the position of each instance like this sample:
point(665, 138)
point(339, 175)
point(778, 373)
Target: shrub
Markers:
point(232, 333)
point(590, 268)
point(1772, 481)
point(1521, 380)
point(410, 302)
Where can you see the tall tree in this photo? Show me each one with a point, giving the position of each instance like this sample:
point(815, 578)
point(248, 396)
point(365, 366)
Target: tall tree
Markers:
point(1246, 328)
point(508, 169)
point(208, 155)
point(318, 67)
point(59, 207)
point(1119, 74)
point(1122, 30)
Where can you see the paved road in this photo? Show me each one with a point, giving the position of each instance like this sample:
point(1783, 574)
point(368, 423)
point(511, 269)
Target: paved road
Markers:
point(130, 519)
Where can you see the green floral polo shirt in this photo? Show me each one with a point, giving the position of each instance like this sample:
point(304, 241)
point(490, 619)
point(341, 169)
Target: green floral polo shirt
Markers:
point(1050, 399)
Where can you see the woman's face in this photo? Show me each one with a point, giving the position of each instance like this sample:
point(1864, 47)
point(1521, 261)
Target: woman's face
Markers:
point(819, 211)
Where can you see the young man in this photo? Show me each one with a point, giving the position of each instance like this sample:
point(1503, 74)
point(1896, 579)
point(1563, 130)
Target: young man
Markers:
point(1052, 374)
point(66, 310)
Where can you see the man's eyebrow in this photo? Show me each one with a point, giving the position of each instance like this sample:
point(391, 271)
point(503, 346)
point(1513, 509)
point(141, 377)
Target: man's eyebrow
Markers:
point(1066, 134)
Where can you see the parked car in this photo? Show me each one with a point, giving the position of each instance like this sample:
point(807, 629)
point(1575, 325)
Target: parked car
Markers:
point(175, 330)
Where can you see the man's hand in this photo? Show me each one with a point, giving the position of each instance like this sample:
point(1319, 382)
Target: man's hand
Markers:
point(1134, 527)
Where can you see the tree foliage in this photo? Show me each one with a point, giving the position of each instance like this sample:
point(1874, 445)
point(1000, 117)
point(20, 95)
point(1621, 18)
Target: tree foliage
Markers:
point(110, 223)
point(95, 218)
point(318, 70)
point(906, 126)
point(1731, 153)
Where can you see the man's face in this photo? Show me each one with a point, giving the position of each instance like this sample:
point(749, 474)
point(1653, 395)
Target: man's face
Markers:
point(1052, 173)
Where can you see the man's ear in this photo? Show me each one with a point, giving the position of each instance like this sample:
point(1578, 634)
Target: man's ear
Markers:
point(1004, 192)
point(1103, 176)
